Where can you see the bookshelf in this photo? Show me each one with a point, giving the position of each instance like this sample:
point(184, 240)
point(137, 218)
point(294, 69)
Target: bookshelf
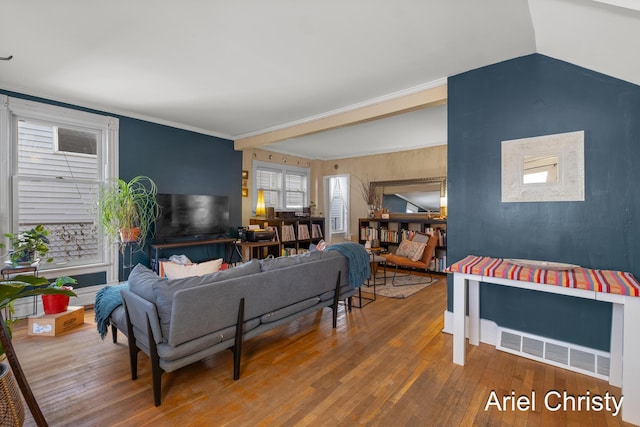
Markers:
point(295, 234)
point(390, 232)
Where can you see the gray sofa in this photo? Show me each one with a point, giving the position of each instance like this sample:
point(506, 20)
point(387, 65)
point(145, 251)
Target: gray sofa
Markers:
point(181, 321)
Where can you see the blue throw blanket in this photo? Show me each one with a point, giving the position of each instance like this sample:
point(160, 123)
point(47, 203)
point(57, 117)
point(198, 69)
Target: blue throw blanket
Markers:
point(107, 300)
point(358, 260)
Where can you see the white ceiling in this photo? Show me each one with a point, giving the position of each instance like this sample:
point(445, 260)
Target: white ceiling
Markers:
point(234, 69)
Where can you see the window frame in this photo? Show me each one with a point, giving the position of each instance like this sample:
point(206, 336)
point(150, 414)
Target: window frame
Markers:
point(14, 109)
point(56, 143)
point(283, 169)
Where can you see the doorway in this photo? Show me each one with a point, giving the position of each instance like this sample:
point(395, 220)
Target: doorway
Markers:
point(336, 201)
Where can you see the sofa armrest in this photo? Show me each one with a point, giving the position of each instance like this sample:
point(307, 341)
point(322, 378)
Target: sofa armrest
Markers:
point(140, 311)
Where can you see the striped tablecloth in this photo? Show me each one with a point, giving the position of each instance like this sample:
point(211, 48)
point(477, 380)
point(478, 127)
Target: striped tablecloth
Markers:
point(607, 281)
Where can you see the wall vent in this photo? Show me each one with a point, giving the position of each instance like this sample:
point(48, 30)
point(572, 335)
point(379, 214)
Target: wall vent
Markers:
point(557, 353)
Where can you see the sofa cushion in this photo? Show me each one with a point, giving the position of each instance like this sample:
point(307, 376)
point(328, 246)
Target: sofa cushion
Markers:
point(194, 343)
point(141, 281)
point(173, 270)
point(165, 289)
point(245, 269)
point(118, 319)
point(269, 264)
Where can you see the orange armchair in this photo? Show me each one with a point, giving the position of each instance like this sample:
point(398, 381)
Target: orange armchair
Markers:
point(420, 264)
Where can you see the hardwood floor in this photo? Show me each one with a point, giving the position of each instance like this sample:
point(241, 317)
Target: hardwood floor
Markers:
point(387, 364)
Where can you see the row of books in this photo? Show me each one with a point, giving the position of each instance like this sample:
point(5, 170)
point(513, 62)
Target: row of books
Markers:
point(396, 236)
point(316, 231)
point(289, 235)
point(438, 264)
point(369, 233)
point(393, 236)
point(303, 232)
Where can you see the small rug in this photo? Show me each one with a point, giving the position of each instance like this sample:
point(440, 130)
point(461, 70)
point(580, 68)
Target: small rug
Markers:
point(404, 285)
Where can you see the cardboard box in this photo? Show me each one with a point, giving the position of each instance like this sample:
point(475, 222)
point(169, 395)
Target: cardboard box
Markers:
point(50, 325)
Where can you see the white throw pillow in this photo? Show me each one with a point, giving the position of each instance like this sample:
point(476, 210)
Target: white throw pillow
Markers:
point(177, 271)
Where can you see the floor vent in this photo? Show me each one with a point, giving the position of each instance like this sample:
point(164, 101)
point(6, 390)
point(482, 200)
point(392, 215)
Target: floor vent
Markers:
point(557, 353)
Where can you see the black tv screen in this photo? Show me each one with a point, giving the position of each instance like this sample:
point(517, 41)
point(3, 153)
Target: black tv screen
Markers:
point(192, 216)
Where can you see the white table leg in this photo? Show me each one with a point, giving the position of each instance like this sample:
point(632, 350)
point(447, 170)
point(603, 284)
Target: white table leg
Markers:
point(459, 308)
point(474, 312)
point(630, 365)
point(615, 353)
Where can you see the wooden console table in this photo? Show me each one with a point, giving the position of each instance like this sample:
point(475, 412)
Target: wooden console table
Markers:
point(156, 248)
point(251, 250)
point(619, 288)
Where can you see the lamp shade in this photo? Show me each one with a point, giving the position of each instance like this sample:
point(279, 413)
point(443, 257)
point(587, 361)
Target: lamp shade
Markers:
point(260, 210)
point(443, 206)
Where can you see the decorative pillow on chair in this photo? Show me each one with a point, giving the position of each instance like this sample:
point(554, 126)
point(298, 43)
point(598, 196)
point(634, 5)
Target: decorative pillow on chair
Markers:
point(411, 250)
point(177, 271)
point(420, 238)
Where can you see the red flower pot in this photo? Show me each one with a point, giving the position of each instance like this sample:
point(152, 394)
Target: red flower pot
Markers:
point(55, 303)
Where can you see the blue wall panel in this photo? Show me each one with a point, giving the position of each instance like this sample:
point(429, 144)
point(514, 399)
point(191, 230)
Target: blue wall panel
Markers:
point(532, 96)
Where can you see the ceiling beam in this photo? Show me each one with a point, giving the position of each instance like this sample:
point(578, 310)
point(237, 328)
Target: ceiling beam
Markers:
point(402, 104)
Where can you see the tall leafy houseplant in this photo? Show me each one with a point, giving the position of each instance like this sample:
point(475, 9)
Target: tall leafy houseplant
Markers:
point(128, 210)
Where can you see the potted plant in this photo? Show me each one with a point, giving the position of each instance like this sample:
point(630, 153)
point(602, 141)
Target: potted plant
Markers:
point(58, 303)
point(127, 210)
point(30, 285)
point(10, 290)
point(29, 246)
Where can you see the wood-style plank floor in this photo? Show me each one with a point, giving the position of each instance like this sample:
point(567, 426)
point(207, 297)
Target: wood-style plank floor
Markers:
point(388, 364)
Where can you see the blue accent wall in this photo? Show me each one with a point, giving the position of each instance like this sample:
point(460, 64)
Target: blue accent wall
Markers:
point(532, 96)
point(179, 161)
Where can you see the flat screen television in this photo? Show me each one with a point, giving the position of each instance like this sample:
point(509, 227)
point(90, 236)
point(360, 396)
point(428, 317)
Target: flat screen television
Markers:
point(192, 216)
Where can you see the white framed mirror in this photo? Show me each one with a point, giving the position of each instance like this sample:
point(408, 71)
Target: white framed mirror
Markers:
point(415, 196)
point(546, 168)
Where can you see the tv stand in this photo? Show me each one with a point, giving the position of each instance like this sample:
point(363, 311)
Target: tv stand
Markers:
point(156, 248)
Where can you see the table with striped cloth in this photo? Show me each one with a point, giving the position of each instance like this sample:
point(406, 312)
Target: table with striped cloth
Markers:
point(606, 281)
